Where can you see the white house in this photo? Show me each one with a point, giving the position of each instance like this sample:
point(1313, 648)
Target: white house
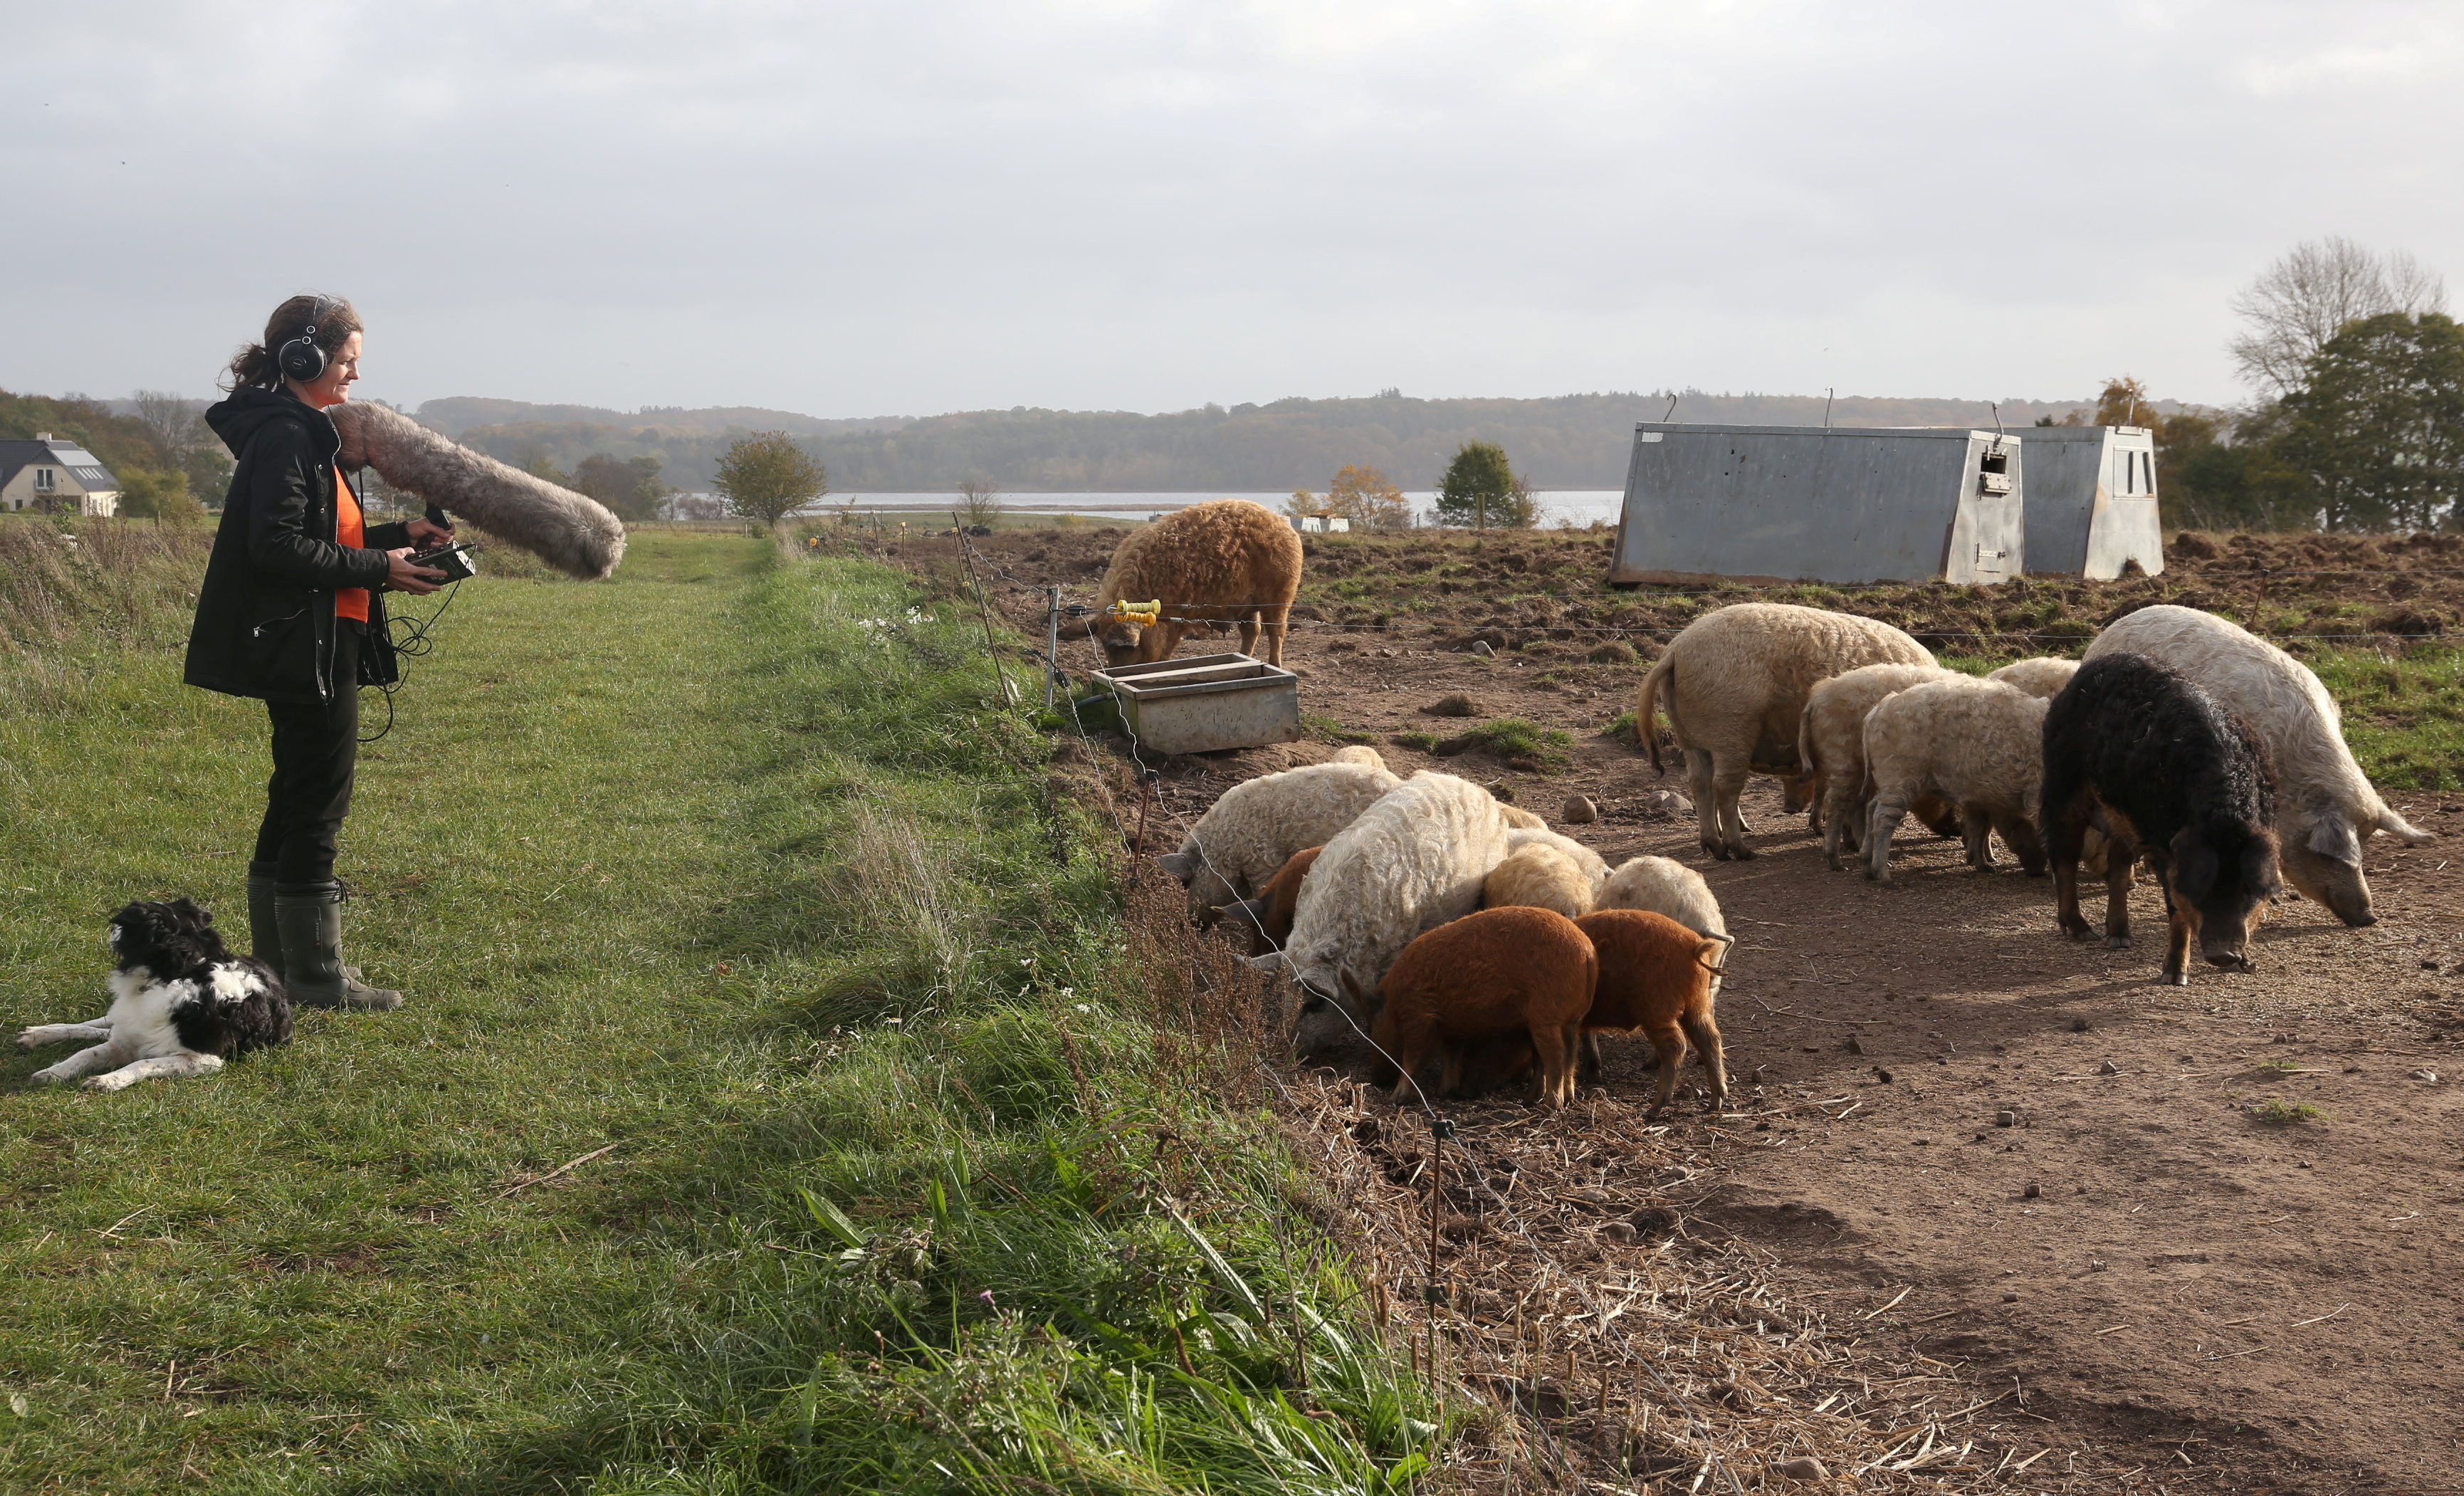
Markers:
point(50, 474)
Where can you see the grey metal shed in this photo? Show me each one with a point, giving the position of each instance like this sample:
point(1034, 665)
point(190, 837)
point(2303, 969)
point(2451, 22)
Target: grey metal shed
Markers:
point(2092, 500)
point(1799, 503)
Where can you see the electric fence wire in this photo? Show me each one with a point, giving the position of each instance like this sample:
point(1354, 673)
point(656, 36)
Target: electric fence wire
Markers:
point(1439, 1127)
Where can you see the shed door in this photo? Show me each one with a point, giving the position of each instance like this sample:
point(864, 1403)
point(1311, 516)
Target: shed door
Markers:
point(1992, 510)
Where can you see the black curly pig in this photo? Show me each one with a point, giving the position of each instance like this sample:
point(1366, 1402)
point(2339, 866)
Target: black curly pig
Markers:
point(2136, 749)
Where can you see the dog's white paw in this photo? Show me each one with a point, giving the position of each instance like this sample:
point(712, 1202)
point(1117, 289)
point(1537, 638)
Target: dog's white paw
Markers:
point(114, 1081)
point(31, 1039)
point(47, 1077)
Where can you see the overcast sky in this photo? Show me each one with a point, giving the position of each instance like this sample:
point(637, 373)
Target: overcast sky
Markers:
point(909, 207)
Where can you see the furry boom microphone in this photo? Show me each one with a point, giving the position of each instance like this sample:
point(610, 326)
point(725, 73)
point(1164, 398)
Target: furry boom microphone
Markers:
point(574, 534)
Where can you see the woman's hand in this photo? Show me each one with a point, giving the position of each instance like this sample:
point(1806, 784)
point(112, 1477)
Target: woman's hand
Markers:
point(426, 533)
point(401, 575)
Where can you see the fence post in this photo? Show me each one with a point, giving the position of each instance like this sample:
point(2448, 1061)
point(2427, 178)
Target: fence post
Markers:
point(1051, 641)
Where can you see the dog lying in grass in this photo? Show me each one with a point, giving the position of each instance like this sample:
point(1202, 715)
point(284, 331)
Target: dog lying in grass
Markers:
point(181, 1004)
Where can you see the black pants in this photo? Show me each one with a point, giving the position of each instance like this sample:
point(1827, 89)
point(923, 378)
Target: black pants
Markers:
point(315, 752)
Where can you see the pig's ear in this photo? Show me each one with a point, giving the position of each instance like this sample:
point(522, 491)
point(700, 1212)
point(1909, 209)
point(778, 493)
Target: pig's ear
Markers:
point(1180, 864)
point(2331, 836)
point(1270, 963)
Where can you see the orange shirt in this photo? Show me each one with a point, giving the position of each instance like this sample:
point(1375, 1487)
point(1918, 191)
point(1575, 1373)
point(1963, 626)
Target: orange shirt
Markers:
point(350, 528)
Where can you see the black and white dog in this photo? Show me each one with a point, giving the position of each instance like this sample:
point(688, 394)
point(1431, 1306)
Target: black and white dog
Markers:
point(180, 1003)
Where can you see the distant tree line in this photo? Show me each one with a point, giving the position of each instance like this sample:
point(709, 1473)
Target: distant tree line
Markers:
point(2360, 421)
point(1569, 441)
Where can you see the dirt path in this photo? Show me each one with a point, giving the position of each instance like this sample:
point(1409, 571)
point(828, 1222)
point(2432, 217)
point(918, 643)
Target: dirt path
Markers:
point(2229, 1303)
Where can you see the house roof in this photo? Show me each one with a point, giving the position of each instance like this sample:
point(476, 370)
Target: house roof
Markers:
point(82, 465)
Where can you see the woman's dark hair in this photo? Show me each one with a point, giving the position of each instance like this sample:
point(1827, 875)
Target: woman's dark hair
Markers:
point(254, 366)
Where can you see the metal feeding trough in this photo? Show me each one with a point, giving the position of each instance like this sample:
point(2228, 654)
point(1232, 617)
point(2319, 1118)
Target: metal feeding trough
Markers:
point(1206, 703)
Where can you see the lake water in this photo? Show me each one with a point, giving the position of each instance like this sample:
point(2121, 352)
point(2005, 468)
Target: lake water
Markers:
point(1572, 506)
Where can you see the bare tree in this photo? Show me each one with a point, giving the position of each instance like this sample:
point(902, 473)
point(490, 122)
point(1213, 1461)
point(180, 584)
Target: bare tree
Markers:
point(979, 502)
point(2309, 295)
point(172, 422)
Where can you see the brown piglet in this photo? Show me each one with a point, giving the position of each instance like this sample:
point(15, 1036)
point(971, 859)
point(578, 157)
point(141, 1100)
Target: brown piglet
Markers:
point(1657, 975)
point(1269, 918)
point(1501, 975)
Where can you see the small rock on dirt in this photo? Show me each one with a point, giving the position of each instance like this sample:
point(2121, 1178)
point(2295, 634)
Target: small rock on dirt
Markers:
point(1622, 1232)
point(2078, 1026)
point(1853, 1047)
point(1579, 810)
point(2031, 1190)
point(1501, 790)
point(2006, 1118)
point(1804, 1467)
point(2108, 1067)
point(2425, 1075)
point(1480, 646)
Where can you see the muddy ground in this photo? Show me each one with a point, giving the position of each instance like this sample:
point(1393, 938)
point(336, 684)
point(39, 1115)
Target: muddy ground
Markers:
point(2012, 1154)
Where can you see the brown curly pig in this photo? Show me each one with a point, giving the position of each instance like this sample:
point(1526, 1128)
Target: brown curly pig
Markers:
point(1501, 975)
point(1225, 561)
point(1660, 977)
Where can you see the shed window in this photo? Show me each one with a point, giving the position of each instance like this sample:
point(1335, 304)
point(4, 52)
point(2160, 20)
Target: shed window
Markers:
point(46, 480)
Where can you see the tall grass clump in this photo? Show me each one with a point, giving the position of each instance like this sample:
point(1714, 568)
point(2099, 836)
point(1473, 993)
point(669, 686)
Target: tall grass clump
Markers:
point(75, 591)
point(1001, 1240)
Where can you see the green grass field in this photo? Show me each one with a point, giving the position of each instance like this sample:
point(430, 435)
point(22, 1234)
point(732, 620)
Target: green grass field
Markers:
point(728, 877)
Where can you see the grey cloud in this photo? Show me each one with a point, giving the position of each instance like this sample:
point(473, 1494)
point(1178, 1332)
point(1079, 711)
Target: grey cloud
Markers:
point(859, 209)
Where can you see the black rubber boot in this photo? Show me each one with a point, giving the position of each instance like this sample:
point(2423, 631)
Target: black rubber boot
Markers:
point(263, 934)
point(310, 917)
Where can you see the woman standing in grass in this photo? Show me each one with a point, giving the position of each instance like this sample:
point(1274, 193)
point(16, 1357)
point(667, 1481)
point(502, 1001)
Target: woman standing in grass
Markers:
point(289, 613)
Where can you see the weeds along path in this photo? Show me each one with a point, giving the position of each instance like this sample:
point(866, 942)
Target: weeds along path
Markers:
point(774, 1109)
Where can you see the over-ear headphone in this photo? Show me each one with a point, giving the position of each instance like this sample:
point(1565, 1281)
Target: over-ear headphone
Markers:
point(301, 357)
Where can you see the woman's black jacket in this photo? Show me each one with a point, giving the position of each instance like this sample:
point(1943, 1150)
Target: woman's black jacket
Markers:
point(265, 615)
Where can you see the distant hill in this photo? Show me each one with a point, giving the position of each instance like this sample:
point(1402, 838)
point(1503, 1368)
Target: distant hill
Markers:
point(1563, 442)
point(460, 413)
